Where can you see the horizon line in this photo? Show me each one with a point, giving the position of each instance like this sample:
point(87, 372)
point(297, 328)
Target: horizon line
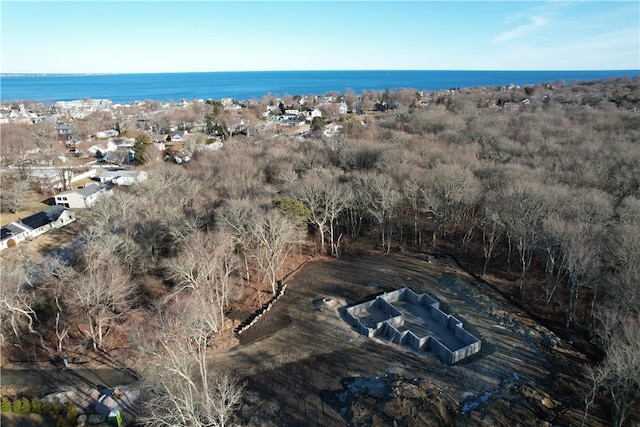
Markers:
point(313, 71)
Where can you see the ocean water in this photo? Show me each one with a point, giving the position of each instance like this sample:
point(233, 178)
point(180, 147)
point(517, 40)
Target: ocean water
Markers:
point(124, 88)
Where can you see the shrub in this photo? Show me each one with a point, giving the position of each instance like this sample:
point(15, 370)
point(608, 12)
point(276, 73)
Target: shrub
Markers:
point(47, 408)
point(57, 409)
point(5, 406)
point(26, 405)
point(16, 406)
point(36, 405)
point(71, 413)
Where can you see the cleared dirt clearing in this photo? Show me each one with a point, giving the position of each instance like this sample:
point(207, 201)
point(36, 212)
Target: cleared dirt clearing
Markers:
point(301, 355)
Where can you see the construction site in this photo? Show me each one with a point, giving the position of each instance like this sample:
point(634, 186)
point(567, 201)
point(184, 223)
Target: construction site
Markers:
point(378, 340)
point(406, 318)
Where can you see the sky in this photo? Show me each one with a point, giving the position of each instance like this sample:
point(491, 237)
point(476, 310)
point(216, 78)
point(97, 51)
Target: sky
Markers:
point(182, 36)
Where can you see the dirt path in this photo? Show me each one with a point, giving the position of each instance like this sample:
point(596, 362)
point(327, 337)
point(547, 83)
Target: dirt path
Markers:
point(43, 381)
point(300, 355)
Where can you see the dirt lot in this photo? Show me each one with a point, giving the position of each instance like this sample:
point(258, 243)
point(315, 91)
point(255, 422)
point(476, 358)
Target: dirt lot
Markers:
point(306, 366)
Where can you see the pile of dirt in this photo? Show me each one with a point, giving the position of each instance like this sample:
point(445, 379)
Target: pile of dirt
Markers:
point(392, 400)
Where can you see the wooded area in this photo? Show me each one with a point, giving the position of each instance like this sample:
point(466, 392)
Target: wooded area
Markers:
point(536, 189)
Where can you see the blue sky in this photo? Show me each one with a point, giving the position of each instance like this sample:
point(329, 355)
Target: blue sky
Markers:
point(170, 36)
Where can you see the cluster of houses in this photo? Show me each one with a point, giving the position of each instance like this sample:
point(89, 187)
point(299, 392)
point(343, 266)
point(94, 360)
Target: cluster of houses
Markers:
point(17, 115)
point(60, 214)
point(57, 173)
point(81, 108)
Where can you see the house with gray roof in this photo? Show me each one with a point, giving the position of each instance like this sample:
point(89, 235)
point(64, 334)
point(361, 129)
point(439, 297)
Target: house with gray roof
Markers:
point(122, 176)
point(83, 198)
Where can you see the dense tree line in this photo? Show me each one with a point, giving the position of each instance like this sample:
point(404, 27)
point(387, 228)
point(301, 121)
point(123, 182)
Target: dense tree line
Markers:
point(539, 185)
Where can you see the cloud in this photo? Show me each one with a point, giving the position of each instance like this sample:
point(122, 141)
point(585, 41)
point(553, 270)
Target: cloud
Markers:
point(536, 23)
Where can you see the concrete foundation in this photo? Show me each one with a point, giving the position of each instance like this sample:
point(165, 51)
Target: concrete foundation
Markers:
point(414, 320)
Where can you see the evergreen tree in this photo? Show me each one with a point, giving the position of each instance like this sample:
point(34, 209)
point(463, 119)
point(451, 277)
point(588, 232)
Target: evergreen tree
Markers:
point(317, 125)
point(139, 148)
point(292, 209)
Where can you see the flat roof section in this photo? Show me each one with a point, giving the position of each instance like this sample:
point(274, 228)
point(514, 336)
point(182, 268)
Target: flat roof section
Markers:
point(414, 320)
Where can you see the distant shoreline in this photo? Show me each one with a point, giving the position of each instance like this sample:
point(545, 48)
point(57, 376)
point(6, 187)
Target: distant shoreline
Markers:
point(247, 85)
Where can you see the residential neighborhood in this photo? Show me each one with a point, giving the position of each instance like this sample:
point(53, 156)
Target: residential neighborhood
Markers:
point(191, 221)
point(76, 152)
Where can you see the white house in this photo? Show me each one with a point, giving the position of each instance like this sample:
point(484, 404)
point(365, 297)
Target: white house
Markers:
point(94, 149)
point(35, 225)
point(179, 136)
point(105, 134)
point(12, 234)
point(83, 197)
point(122, 177)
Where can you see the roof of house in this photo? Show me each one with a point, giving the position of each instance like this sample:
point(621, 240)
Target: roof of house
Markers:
point(86, 191)
point(91, 189)
point(106, 174)
point(10, 230)
point(44, 217)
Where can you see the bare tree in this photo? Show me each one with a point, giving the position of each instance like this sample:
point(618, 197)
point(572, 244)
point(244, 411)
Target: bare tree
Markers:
point(207, 260)
point(553, 233)
point(449, 189)
point(524, 206)
point(596, 377)
point(16, 142)
point(381, 198)
point(326, 199)
point(274, 236)
point(180, 388)
point(411, 184)
point(582, 264)
point(312, 195)
point(624, 246)
point(351, 98)
point(236, 219)
point(13, 193)
point(17, 294)
point(44, 136)
point(56, 276)
point(618, 375)
point(492, 230)
point(337, 198)
point(106, 292)
point(330, 111)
